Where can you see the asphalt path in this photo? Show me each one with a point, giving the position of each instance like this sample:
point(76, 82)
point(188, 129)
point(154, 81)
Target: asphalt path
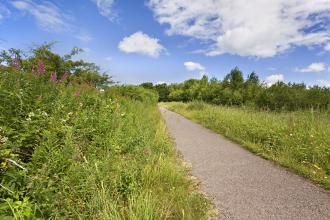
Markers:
point(243, 185)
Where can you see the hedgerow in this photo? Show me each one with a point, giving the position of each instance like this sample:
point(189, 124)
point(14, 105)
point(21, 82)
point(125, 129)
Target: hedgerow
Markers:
point(71, 150)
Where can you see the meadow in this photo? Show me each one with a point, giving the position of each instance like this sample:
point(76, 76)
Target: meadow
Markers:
point(72, 150)
point(298, 140)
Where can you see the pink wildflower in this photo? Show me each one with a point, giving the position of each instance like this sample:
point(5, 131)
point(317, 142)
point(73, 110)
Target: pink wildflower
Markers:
point(17, 64)
point(41, 67)
point(53, 77)
point(65, 75)
point(77, 93)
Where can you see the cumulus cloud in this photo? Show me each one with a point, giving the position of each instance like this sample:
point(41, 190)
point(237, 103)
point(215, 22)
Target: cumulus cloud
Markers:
point(272, 79)
point(192, 66)
point(48, 16)
point(313, 68)
point(142, 44)
point(323, 83)
point(105, 8)
point(160, 82)
point(258, 28)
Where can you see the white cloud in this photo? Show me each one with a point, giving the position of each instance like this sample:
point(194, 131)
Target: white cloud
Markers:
point(85, 37)
point(48, 16)
point(86, 49)
point(313, 68)
point(105, 8)
point(258, 28)
point(142, 44)
point(160, 82)
point(192, 66)
point(323, 83)
point(4, 12)
point(327, 47)
point(272, 79)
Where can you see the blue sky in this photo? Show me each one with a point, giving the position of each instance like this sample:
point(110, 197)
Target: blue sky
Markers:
point(174, 40)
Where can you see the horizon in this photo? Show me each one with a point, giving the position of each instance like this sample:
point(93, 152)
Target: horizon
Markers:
point(171, 41)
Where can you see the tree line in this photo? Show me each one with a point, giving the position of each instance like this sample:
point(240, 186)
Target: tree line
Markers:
point(235, 90)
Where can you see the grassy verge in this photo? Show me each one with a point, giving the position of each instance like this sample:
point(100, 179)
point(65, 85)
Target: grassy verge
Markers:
point(72, 152)
point(297, 140)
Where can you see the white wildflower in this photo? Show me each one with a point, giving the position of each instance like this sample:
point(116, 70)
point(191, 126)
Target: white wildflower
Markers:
point(4, 140)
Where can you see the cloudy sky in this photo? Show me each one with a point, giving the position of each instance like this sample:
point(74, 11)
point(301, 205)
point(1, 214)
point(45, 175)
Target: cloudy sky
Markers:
point(173, 40)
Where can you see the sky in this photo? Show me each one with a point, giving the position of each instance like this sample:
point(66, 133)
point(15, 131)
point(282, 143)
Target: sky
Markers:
point(170, 41)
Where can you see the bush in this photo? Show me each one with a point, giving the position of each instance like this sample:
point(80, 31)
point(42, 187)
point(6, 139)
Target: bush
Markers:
point(71, 151)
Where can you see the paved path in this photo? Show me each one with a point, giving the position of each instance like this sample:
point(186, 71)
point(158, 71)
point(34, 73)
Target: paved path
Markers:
point(243, 185)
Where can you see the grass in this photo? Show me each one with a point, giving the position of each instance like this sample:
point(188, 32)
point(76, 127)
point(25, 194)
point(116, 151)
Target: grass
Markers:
point(297, 140)
point(95, 155)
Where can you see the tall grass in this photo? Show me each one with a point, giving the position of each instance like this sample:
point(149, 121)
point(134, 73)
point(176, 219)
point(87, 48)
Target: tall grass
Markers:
point(298, 140)
point(72, 152)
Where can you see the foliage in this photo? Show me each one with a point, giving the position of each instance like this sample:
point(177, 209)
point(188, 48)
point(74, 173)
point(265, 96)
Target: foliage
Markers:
point(71, 151)
point(41, 60)
point(298, 140)
point(235, 91)
point(135, 92)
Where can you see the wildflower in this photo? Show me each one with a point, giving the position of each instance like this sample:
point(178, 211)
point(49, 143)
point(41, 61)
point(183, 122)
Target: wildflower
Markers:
point(17, 64)
point(53, 77)
point(44, 114)
point(101, 90)
point(3, 140)
point(34, 71)
point(65, 75)
point(122, 114)
point(31, 114)
point(291, 135)
point(28, 119)
point(312, 136)
point(41, 67)
point(77, 93)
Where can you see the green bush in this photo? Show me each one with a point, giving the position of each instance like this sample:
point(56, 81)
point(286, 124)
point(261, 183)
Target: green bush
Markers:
point(134, 92)
point(70, 151)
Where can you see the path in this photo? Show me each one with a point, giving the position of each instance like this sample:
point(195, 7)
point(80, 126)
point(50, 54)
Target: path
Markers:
point(243, 185)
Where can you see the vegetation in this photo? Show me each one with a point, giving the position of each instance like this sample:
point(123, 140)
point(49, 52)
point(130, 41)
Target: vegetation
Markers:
point(234, 90)
point(71, 150)
point(298, 140)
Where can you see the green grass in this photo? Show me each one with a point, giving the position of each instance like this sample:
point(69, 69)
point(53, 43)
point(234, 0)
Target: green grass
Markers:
point(93, 156)
point(297, 140)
